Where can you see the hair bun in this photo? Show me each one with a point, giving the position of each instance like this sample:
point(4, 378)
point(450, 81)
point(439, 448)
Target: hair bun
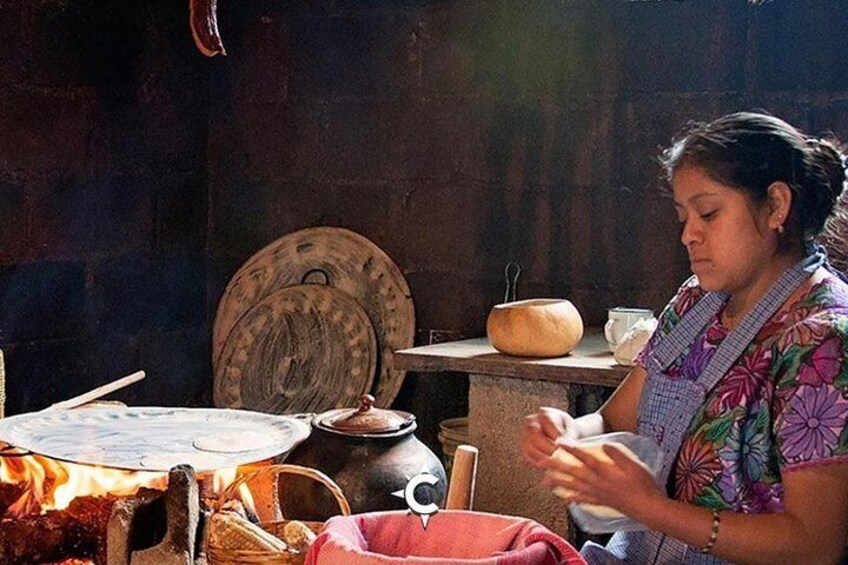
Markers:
point(829, 164)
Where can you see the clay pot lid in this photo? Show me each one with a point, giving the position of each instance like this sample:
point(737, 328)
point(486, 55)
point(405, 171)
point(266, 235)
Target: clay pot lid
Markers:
point(365, 419)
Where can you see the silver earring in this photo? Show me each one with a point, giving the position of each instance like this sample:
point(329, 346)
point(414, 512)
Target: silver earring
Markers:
point(780, 229)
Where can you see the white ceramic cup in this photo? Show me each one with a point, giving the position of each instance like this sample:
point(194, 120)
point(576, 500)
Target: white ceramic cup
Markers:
point(620, 319)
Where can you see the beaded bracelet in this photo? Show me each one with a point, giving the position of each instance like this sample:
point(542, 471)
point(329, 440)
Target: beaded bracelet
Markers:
point(713, 533)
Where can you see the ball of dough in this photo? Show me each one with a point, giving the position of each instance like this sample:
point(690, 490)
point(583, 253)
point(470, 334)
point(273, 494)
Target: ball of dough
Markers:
point(633, 341)
point(596, 451)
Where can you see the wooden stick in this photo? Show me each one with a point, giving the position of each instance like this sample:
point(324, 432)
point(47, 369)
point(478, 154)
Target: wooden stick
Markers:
point(97, 393)
point(463, 479)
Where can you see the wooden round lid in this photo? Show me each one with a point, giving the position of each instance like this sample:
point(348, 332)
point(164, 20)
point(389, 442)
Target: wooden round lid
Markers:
point(305, 348)
point(352, 264)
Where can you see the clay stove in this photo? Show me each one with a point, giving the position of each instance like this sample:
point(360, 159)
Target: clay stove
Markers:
point(109, 506)
point(149, 527)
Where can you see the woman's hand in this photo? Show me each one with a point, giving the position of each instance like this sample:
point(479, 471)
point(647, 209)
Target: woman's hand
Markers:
point(611, 478)
point(541, 431)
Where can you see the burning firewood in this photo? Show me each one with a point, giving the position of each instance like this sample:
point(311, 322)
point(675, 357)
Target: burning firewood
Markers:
point(9, 494)
point(79, 532)
point(49, 537)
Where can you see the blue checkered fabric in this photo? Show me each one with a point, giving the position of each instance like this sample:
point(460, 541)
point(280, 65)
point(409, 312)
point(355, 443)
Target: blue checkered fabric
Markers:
point(667, 406)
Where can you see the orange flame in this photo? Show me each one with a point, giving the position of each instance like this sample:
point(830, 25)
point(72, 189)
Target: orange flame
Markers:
point(52, 485)
point(223, 478)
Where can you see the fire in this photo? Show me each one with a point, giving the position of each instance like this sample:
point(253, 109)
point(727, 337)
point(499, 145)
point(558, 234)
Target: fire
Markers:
point(52, 485)
point(221, 481)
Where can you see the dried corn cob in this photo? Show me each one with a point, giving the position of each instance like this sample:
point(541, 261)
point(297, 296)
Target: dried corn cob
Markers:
point(228, 530)
point(298, 535)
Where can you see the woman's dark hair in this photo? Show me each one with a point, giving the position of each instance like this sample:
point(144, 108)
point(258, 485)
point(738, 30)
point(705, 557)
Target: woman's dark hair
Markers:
point(749, 151)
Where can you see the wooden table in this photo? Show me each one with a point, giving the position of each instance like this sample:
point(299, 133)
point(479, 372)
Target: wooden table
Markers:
point(503, 389)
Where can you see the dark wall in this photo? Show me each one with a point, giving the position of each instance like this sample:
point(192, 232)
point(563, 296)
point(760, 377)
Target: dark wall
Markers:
point(460, 135)
point(103, 129)
point(457, 135)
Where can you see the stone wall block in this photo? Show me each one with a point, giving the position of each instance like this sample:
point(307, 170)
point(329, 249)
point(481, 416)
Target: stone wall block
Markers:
point(352, 144)
point(74, 215)
point(267, 141)
point(181, 212)
point(580, 143)
point(134, 293)
point(44, 130)
point(15, 63)
point(169, 134)
point(683, 47)
point(503, 49)
point(443, 238)
point(249, 214)
point(220, 270)
point(439, 139)
point(114, 356)
point(800, 47)
point(447, 54)
point(373, 210)
point(42, 300)
point(454, 301)
point(377, 54)
point(178, 366)
point(14, 222)
point(298, 205)
point(42, 373)
point(645, 126)
point(74, 46)
point(258, 40)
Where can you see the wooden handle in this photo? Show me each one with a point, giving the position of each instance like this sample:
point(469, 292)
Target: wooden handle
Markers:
point(97, 393)
point(463, 479)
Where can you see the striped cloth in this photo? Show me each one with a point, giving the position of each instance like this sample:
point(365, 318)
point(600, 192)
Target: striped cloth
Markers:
point(667, 406)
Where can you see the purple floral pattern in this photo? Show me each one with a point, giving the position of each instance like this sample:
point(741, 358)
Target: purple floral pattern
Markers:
point(781, 406)
point(823, 365)
point(813, 423)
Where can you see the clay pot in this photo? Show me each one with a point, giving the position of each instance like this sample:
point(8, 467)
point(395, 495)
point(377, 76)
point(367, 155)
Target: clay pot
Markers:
point(370, 453)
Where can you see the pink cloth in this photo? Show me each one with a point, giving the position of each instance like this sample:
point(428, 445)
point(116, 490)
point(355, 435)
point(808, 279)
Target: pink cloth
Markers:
point(453, 537)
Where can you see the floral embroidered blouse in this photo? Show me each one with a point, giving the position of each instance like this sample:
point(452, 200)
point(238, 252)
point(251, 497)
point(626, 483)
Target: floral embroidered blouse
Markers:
point(782, 406)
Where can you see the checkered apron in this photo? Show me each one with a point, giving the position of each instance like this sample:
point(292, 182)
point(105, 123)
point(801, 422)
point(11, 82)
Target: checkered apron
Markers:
point(668, 405)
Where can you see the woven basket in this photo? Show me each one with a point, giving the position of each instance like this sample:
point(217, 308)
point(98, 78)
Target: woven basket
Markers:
point(223, 556)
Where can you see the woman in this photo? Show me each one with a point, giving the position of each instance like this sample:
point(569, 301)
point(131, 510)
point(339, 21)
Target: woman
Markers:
point(744, 384)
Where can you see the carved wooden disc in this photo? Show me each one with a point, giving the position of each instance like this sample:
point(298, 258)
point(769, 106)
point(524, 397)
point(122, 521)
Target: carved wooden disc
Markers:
point(304, 348)
point(352, 264)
